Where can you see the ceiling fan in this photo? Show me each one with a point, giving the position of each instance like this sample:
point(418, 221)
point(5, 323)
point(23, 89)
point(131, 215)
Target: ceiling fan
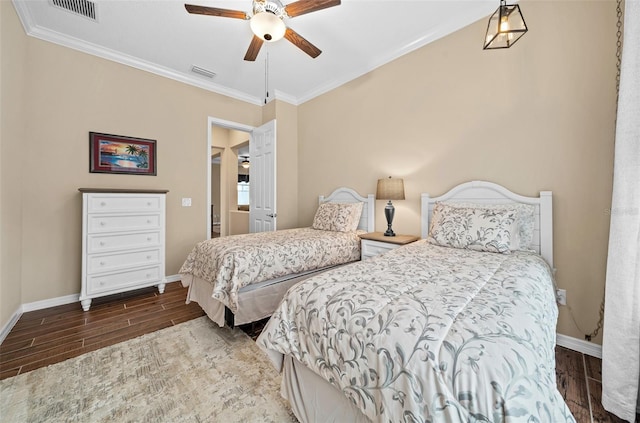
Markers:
point(267, 22)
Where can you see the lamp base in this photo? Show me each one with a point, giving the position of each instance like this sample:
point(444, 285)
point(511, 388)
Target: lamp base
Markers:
point(389, 211)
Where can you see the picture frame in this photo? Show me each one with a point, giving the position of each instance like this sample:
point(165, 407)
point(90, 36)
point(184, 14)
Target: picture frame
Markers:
point(120, 154)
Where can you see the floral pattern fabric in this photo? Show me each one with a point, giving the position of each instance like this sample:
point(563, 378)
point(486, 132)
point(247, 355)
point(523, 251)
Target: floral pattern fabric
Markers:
point(525, 220)
point(473, 228)
point(341, 217)
point(429, 334)
point(232, 262)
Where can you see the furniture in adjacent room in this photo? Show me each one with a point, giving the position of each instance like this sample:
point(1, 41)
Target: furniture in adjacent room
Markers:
point(123, 241)
point(375, 243)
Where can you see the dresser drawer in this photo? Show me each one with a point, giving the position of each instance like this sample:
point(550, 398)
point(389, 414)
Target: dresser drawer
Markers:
point(114, 242)
point(122, 223)
point(117, 281)
point(116, 203)
point(99, 263)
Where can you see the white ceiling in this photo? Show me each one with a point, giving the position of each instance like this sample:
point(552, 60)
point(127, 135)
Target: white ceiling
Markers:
point(159, 36)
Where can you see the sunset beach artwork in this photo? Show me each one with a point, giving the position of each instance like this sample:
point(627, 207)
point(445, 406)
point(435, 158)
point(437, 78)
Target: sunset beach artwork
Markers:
point(120, 154)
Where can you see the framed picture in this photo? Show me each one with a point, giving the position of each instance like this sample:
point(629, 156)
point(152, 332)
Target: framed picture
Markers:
point(120, 154)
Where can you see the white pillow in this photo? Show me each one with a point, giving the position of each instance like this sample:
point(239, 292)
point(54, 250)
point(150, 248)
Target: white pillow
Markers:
point(477, 229)
point(339, 217)
point(523, 238)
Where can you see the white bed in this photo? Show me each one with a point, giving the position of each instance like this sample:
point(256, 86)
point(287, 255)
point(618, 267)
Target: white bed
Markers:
point(464, 336)
point(257, 300)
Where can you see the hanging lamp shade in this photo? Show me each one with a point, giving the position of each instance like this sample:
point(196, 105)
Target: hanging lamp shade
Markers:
point(506, 26)
point(267, 26)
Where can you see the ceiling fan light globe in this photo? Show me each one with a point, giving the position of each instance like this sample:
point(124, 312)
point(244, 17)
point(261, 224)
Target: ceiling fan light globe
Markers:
point(267, 26)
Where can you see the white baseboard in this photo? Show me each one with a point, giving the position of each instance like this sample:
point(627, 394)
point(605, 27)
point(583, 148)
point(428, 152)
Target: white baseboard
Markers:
point(575, 344)
point(52, 302)
point(10, 324)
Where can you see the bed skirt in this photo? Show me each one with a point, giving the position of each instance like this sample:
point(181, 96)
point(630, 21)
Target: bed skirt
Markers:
point(255, 302)
point(313, 399)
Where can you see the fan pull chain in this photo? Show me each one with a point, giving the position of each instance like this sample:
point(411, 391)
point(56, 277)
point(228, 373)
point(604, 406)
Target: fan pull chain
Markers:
point(266, 78)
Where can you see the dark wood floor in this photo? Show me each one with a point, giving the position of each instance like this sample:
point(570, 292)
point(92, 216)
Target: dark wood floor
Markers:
point(48, 336)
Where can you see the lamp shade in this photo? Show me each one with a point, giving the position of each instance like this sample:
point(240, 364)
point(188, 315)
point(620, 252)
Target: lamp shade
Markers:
point(267, 26)
point(505, 27)
point(390, 189)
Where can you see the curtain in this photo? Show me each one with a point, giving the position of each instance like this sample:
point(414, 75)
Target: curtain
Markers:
point(621, 334)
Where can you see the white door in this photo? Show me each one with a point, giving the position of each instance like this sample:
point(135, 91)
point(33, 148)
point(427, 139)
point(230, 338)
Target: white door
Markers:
point(262, 178)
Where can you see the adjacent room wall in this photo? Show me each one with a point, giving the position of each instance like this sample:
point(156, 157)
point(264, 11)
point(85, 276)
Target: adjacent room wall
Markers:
point(538, 116)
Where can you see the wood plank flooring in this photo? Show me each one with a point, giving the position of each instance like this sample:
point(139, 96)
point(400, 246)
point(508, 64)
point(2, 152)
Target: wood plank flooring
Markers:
point(48, 336)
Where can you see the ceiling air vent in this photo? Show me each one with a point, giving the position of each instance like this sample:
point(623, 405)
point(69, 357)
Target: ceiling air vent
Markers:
point(84, 8)
point(202, 71)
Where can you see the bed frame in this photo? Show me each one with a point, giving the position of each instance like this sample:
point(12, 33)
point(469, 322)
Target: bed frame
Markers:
point(258, 301)
point(314, 399)
point(489, 193)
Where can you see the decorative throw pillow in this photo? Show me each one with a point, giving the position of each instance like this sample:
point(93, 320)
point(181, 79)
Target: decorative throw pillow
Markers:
point(522, 239)
point(339, 217)
point(477, 229)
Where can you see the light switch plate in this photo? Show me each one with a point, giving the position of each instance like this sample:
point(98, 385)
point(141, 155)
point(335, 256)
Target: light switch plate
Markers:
point(186, 202)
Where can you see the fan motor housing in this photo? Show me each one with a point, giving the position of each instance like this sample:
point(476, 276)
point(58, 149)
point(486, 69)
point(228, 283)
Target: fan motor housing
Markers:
point(271, 6)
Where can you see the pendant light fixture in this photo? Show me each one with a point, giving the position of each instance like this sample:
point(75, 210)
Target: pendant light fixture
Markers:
point(245, 163)
point(506, 26)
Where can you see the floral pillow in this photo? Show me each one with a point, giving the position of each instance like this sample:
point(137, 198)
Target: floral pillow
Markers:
point(339, 217)
point(522, 239)
point(479, 229)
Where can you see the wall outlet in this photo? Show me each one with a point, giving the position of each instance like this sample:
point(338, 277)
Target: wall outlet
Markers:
point(186, 202)
point(561, 296)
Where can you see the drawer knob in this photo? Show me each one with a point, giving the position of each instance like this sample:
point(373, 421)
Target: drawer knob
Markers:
point(148, 238)
point(148, 275)
point(148, 220)
point(102, 263)
point(102, 223)
point(102, 243)
point(148, 203)
point(103, 204)
point(101, 283)
point(148, 257)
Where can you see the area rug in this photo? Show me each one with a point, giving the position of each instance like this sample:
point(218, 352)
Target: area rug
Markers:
point(191, 372)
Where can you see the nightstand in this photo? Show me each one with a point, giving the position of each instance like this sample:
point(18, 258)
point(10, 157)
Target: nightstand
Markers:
point(375, 243)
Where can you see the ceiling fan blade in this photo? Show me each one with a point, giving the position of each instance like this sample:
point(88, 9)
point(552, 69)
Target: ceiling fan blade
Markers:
point(302, 43)
point(307, 6)
point(214, 11)
point(254, 49)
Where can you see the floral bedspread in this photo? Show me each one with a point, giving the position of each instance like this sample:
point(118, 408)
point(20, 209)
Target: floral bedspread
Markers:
point(232, 262)
point(429, 334)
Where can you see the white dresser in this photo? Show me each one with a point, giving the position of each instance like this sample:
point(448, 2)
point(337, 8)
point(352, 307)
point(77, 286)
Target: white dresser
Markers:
point(123, 241)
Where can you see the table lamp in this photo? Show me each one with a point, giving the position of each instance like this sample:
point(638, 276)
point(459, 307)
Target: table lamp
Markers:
point(390, 189)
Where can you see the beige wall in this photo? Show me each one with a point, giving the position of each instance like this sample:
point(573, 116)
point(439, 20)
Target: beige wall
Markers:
point(67, 94)
point(538, 116)
point(12, 140)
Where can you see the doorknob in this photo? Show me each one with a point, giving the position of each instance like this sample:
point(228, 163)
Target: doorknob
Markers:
point(273, 215)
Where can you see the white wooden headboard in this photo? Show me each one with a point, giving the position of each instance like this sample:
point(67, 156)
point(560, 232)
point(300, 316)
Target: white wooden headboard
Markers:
point(347, 195)
point(489, 193)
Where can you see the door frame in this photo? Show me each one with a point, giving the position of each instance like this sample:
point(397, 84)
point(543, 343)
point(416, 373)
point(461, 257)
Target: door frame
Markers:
point(212, 121)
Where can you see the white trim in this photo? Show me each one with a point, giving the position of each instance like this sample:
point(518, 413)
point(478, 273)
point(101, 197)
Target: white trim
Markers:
point(575, 344)
point(10, 324)
point(51, 302)
point(173, 278)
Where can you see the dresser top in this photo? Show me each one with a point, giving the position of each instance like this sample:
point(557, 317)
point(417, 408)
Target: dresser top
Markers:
point(123, 191)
